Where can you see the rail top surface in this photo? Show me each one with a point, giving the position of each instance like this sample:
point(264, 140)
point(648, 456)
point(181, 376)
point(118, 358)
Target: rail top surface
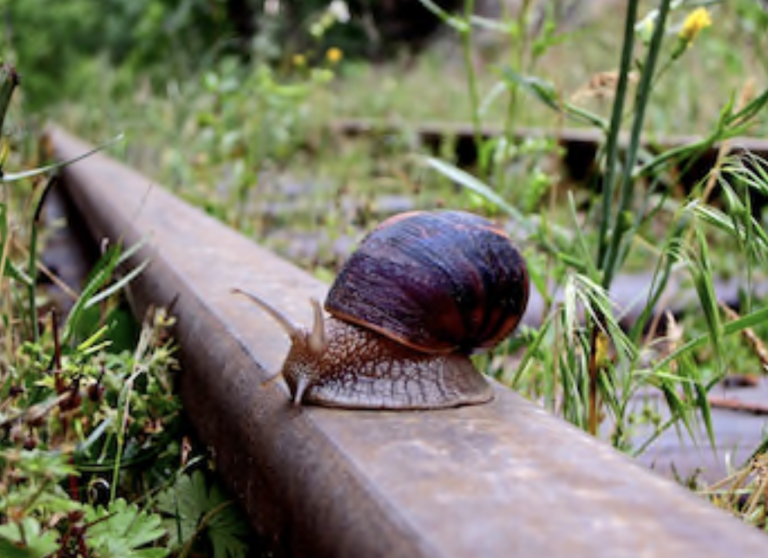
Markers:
point(501, 479)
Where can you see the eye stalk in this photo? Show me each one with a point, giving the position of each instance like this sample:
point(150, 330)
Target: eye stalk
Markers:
point(292, 330)
point(317, 339)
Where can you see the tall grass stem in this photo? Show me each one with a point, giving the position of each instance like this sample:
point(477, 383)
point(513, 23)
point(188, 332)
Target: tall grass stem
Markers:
point(612, 141)
point(466, 48)
point(627, 183)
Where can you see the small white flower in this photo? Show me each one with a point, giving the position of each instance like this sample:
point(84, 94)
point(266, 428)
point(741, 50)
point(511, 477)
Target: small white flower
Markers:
point(339, 10)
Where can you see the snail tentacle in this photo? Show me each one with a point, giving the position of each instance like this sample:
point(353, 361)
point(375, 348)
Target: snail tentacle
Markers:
point(293, 331)
point(317, 339)
point(302, 383)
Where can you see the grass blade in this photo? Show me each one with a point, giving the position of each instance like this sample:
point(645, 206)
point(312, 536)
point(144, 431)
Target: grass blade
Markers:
point(117, 286)
point(16, 176)
point(471, 183)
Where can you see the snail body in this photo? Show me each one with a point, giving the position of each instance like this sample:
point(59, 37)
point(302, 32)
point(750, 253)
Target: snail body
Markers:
point(360, 368)
point(422, 292)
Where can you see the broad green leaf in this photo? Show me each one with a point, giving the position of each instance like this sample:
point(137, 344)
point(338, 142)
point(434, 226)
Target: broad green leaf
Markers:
point(35, 544)
point(122, 529)
point(186, 502)
point(227, 530)
point(199, 510)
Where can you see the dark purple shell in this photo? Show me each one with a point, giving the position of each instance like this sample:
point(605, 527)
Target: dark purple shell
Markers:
point(439, 281)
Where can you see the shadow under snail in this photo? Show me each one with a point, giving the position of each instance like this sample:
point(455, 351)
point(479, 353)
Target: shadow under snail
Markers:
point(422, 292)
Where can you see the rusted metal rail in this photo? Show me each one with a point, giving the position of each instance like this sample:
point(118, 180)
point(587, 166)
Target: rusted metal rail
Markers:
point(503, 479)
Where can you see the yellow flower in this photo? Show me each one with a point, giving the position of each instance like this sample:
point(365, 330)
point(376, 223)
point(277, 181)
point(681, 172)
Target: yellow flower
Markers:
point(697, 20)
point(334, 55)
point(299, 60)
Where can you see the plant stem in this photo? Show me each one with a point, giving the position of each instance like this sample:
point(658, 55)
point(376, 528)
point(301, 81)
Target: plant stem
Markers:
point(520, 48)
point(612, 140)
point(606, 220)
point(594, 372)
point(8, 82)
point(32, 287)
point(627, 183)
point(466, 48)
point(9, 79)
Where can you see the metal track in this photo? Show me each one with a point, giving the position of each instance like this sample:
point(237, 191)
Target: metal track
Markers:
point(503, 479)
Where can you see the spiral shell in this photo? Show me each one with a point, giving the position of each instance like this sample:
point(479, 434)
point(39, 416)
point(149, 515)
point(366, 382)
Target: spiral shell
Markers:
point(439, 282)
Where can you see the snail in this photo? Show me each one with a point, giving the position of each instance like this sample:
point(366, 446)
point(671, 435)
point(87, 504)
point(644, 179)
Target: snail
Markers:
point(419, 295)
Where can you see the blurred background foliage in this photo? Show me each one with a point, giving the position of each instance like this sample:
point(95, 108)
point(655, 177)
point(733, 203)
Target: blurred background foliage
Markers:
point(62, 47)
point(75, 50)
point(232, 103)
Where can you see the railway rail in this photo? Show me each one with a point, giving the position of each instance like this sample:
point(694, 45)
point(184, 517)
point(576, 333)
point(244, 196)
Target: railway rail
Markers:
point(501, 479)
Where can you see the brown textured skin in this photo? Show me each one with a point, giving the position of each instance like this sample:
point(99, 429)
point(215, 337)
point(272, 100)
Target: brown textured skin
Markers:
point(361, 369)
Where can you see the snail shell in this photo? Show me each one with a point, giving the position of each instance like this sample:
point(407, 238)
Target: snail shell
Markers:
point(440, 282)
point(423, 291)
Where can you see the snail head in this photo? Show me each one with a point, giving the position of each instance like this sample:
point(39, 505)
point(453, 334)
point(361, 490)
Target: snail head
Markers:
point(306, 346)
